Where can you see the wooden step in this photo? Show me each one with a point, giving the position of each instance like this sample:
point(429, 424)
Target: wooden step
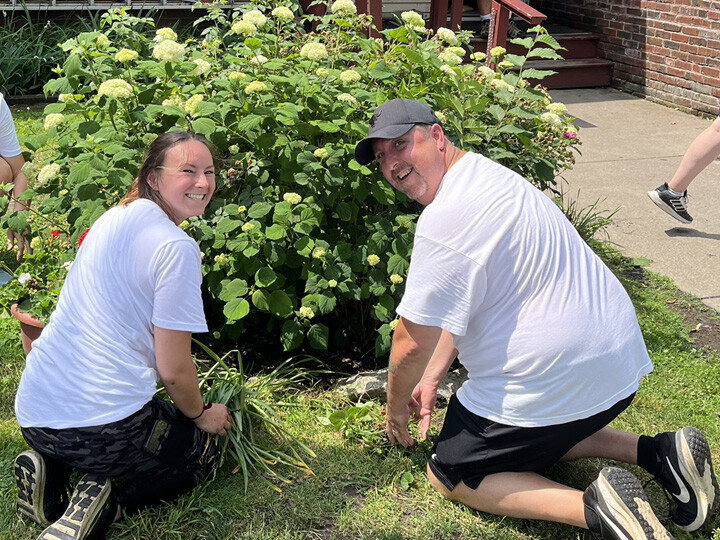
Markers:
point(577, 73)
point(577, 45)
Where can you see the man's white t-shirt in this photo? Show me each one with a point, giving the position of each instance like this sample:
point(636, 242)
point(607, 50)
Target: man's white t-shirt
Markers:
point(546, 331)
point(94, 362)
point(9, 146)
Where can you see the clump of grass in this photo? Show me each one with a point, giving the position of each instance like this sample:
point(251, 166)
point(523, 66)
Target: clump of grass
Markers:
point(590, 221)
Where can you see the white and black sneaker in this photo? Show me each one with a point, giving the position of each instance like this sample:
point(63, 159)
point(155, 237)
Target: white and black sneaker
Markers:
point(674, 205)
point(91, 511)
point(687, 475)
point(621, 508)
point(42, 496)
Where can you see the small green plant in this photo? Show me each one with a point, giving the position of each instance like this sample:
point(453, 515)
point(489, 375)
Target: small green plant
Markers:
point(362, 423)
point(258, 439)
point(590, 221)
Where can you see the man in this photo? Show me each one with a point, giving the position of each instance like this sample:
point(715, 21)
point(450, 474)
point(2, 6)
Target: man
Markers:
point(11, 162)
point(548, 335)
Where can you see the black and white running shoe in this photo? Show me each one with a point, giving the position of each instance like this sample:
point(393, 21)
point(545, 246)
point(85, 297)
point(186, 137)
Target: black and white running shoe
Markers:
point(42, 495)
point(687, 475)
point(674, 205)
point(621, 507)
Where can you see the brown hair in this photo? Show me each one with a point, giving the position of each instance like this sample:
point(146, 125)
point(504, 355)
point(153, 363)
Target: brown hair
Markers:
point(154, 158)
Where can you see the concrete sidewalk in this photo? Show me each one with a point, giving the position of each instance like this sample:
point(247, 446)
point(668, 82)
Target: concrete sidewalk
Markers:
point(629, 146)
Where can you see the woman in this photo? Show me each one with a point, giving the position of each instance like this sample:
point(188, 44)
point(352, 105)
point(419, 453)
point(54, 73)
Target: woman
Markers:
point(124, 319)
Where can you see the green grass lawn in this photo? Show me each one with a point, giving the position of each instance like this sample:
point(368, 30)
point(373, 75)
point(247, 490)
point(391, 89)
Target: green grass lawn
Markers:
point(357, 493)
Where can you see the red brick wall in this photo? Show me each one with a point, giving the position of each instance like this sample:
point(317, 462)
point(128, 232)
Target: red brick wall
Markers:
point(666, 50)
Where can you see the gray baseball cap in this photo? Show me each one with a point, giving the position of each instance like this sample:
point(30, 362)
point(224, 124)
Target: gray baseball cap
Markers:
point(390, 120)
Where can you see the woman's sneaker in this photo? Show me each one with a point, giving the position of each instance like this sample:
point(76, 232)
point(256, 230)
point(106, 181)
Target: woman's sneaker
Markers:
point(41, 496)
point(623, 512)
point(686, 473)
point(674, 205)
point(91, 511)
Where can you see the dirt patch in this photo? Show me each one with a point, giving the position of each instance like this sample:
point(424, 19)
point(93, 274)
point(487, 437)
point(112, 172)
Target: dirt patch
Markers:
point(704, 322)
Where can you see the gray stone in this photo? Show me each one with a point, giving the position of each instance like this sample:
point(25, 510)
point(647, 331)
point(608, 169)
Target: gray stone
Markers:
point(373, 384)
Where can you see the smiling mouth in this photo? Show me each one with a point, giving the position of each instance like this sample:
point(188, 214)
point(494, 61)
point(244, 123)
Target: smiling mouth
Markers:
point(195, 197)
point(402, 176)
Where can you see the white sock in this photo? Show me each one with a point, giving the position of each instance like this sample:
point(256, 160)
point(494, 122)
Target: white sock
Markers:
point(675, 193)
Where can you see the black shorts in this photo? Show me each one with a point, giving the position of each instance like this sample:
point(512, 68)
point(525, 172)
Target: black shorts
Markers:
point(470, 447)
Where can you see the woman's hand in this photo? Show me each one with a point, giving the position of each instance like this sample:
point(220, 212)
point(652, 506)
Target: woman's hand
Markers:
point(215, 420)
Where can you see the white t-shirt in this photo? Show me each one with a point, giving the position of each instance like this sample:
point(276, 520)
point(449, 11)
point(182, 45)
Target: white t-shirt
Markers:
point(94, 362)
point(547, 333)
point(9, 146)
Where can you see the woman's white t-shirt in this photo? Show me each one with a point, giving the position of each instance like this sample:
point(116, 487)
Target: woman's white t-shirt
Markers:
point(546, 331)
point(9, 146)
point(94, 362)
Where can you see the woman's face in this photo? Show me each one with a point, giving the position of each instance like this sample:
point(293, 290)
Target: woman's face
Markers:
point(186, 179)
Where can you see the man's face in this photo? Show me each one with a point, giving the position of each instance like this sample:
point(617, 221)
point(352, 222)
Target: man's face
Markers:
point(413, 163)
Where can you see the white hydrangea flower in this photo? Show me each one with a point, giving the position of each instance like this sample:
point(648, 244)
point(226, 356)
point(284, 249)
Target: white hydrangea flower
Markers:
point(254, 87)
point(233, 148)
point(486, 72)
point(24, 278)
point(500, 84)
point(447, 35)
point(396, 279)
point(191, 104)
point(292, 198)
point(497, 51)
point(393, 324)
point(247, 227)
point(125, 55)
point(66, 98)
point(343, 7)
point(255, 17)
point(115, 88)
point(350, 76)
point(314, 51)
point(236, 76)
point(332, 283)
point(441, 116)
point(457, 50)
point(241, 209)
point(48, 172)
point(505, 64)
point(306, 312)
point(169, 51)
point(322, 72)
point(413, 19)
point(241, 26)
point(53, 120)
point(348, 99)
point(201, 67)
point(551, 118)
point(165, 34)
point(557, 108)
point(447, 69)
point(258, 60)
point(478, 56)
point(283, 13)
point(318, 253)
point(449, 58)
point(373, 259)
point(320, 153)
point(175, 100)
point(102, 41)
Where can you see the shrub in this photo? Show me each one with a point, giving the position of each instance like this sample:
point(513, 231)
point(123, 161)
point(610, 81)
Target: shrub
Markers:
point(300, 243)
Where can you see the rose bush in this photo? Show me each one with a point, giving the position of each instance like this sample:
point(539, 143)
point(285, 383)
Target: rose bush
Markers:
point(300, 242)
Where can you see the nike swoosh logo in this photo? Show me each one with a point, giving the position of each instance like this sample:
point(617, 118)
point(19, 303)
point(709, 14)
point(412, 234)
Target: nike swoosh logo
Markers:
point(684, 496)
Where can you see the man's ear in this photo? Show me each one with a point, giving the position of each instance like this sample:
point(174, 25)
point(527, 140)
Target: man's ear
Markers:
point(438, 135)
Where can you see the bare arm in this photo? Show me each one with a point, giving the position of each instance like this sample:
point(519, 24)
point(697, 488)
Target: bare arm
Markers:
point(412, 348)
point(19, 186)
point(178, 374)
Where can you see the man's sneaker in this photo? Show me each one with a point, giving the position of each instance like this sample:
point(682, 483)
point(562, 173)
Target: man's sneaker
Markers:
point(674, 205)
point(92, 510)
point(622, 510)
point(514, 30)
point(687, 474)
point(41, 496)
point(484, 30)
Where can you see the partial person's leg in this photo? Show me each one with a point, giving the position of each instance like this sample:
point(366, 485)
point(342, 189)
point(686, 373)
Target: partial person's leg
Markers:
point(6, 172)
point(43, 487)
point(701, 152)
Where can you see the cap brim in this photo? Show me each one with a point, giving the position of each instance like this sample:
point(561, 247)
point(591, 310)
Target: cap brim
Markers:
point(363, 150)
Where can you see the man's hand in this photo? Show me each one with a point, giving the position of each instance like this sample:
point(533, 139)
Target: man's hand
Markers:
point(22, 244)
point(214, 420)
point(422, 404)
point(396, 426)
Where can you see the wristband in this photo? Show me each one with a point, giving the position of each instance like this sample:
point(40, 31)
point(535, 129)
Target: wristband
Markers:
point(206, 406)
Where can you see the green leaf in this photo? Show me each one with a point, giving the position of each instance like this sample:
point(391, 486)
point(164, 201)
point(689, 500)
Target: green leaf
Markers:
point(318, 336)
point(227, 225)
point(265, 277)
point(381, 71)
point(259, 209)
point(327, 127)
point(72, 66)
point(280, 304)
point(544, 52)
point(291, 335)
point(236, 309)
point(304, 245)
point(537, 74)
point(397, 265)
point(275, 232)
point(204, 126)
point(511, 129)
point(232, 289)
point(79, 172)
point(383, 193)
point(261, 299)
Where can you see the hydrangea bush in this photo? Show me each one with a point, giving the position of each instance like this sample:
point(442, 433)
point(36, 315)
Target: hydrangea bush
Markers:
point(300, 241)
